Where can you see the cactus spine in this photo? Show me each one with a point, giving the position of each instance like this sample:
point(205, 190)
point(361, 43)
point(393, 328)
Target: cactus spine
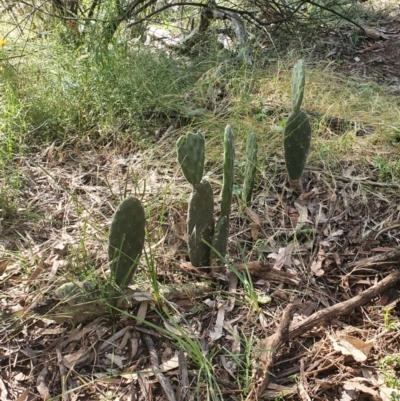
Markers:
point(191, 155)
point(126, 241)
point(251, 167)
point(220, 239)
point(200, 224)
point(297, 136)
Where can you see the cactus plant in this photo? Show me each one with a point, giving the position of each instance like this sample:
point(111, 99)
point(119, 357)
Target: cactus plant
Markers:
point(200, 224)
point(220, 239)
point(297, 136)
point(251, 167)
point(298, 84)
point(126, 241)
point(229, 160)
point(191, 155)
point(297, 145)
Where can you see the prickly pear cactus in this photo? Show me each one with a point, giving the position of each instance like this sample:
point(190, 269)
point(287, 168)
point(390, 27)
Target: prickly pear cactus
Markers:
point(126, 241)
point(220, 240)
point(200, 224)
point(297, 145)
point(251, 167)
point(297, 131)
point(229, 161)
point(298, 84)
point(191, 155)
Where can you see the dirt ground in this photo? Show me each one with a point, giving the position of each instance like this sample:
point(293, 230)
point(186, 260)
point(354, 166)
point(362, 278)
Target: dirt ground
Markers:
point(317, 246)
point(374, 55)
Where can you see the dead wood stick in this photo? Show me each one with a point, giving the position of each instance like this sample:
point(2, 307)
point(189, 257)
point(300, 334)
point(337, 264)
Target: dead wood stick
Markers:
point(63, 376)
point(165, 383)
point(388, 257)
point(184, 392)
point(344, 308)
point(94, 305)
point(267, 349)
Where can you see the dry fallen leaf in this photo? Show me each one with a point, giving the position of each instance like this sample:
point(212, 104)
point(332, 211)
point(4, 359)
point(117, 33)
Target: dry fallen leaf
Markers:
point(283, 258)
point(316, 265)
point(41, 385)
point(219, 323)
point(254, 231)
point(116, 359)
point(303, 215)
point(357, 388)
point(353, 346)
point(253, 216)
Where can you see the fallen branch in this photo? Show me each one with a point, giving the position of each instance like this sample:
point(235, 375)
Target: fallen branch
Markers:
point(344, 308)
point(388, 257)
point(92, 305)
point(266, 350)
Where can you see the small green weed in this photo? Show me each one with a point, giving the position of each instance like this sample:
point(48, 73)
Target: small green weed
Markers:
point(390, 367)
point(242, 363)
point(388, 170)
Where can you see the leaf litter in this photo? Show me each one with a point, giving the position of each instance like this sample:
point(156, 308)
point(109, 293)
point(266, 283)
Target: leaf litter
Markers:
point(311, 257)
point(305, 251)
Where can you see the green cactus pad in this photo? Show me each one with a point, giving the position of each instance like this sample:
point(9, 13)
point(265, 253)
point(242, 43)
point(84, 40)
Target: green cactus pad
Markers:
point(220, 240)
point(191, 156)
point(229, 161)
point(298, 84)
point(297, 145)
point(126, 241)
point(200, 224)
point(251, 167)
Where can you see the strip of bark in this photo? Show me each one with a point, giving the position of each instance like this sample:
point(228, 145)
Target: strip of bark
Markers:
point(184, 392)
point(164, 382)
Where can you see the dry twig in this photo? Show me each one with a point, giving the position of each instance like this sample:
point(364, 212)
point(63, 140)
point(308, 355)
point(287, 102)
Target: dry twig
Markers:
point(267, 348)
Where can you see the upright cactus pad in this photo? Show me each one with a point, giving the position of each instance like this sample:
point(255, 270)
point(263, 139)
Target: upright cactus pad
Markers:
point(229, 162)
point(200, 224)
point(191, 155)
point(251, 167)
point(126, 241)
point(298, 83)
point(220, 240)
point(297, 145)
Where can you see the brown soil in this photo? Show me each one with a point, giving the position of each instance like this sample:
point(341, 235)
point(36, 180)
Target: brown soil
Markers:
point(375, 55)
